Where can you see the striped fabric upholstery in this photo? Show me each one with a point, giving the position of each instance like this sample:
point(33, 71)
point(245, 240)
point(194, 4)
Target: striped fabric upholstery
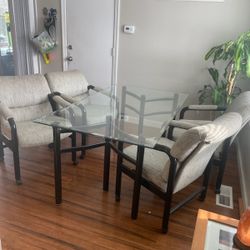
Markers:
point(71, 83)
point(26, 97)
point(193, 151)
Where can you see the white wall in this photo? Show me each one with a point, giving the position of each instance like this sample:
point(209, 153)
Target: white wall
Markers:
point(167, 51)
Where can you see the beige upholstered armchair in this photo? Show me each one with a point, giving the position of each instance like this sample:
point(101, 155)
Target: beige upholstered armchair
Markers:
point(23, 99)
point(70, 87)
point(240, 105)
point(167, 169)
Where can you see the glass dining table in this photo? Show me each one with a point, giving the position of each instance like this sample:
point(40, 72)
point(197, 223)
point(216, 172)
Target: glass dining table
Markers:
point(134, 115)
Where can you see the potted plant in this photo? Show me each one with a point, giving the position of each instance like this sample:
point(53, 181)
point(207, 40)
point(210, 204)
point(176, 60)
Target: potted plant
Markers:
point(217, 93)
point(236, 54)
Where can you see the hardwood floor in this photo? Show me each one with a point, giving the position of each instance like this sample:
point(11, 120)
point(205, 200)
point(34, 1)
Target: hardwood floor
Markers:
point(89, 218)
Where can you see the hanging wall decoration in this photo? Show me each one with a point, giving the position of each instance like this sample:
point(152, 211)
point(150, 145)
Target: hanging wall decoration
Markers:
point(46, 40)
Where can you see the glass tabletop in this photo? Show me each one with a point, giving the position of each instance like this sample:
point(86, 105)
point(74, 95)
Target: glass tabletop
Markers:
point(135, 115)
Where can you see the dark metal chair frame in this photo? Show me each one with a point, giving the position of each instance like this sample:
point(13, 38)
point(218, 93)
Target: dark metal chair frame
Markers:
point(12, 144)
point(139, 181)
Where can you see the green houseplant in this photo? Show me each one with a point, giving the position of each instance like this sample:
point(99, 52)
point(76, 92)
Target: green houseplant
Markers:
point(217, 93)
point(236, 54)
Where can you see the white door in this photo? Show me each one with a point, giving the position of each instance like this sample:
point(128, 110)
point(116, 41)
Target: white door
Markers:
point(89, 39)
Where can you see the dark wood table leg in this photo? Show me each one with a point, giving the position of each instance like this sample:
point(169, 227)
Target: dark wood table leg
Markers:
point(106, 165)
point(57, 165)
point(137, 182)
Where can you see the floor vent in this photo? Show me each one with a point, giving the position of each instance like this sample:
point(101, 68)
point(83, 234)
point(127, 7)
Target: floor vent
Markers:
point(225, 198)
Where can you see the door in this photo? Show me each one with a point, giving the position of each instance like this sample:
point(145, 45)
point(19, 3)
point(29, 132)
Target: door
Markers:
point(89, 39)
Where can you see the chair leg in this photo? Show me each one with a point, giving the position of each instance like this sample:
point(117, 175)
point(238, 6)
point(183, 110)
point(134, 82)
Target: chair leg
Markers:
point(169, 194)
point(106, 167)
point(222, 165)
point(73, 144)
point(206, 181)
point(16, 163)
point(84, 141)
point(220, 176)
point(137, 182)
point(166, 215)
point(118, 173)
point(1, 151)
point(170, 133)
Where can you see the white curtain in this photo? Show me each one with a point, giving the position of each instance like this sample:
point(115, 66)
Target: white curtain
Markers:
point(22, 23)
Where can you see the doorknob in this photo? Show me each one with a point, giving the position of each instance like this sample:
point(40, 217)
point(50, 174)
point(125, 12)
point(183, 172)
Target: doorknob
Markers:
point(69, 58)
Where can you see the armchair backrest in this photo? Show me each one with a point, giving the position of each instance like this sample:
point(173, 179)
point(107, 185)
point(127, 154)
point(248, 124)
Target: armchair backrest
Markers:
point(71, 83)
point(196, 146)
point(241, 104)
point(26, 96)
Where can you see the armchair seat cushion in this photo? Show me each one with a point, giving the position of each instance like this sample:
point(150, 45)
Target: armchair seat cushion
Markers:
point(31, 134)
point(155, 165)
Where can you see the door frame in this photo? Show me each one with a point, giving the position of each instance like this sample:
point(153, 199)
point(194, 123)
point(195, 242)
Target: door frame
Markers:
point(115, 49)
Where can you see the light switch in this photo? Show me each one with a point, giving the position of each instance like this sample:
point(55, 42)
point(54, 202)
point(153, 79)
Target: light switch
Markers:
point(130, 29)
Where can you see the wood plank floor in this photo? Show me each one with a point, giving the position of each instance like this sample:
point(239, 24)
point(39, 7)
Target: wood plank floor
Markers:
point(89, 218)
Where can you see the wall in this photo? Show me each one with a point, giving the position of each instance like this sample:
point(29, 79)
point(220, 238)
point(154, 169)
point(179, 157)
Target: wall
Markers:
point(55, 65)
point(167, 51)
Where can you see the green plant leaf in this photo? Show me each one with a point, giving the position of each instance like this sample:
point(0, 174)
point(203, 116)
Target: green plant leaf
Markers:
point(214, 73)
point(248, 65)
point(237, 58)
point(210, 52)
point(217, 54)
point(228, 45)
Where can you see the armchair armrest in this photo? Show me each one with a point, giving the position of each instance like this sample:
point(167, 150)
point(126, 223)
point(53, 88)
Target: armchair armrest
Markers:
point(182, 124)
point(56, 98)
point(5, 112)
point(201, 108)
point(67, 98)
point(61, 101)
point(165, 149)
point(98, 89)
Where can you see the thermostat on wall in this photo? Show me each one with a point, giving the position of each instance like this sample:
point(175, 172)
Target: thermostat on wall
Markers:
point(129, 29)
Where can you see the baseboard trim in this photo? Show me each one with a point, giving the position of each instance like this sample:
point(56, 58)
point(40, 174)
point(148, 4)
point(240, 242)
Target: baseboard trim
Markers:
point(243, 185)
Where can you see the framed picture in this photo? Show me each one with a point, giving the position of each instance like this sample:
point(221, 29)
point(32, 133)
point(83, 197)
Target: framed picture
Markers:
point(214, 231)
